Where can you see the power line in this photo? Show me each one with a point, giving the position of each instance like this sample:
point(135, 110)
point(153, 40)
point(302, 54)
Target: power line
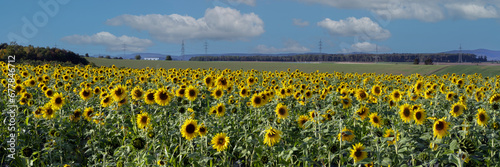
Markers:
point(320, 46)
point(182, 49)
point(124, 48)
point(460, 54)
point(206, 47)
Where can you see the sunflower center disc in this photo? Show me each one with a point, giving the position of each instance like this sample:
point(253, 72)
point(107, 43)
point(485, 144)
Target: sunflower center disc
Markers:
point(190, 128)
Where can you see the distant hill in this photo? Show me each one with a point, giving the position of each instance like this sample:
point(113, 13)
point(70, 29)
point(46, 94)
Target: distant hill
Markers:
point(491, 54)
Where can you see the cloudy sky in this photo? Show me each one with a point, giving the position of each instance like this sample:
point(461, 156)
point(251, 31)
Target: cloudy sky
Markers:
point(253, 26)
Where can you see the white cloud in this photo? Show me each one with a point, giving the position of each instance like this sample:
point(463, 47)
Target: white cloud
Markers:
point(217, 24)
point(300, 22)
point(365, 47)
point(112, 42)
point(363, 27)
point(290, 46)
point(472, 11)
point(425, 10)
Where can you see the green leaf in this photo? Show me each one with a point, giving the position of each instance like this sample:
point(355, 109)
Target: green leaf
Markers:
point(454, 145)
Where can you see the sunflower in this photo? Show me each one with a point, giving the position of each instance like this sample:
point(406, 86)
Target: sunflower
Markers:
point(479, 95)
point(220, 109)
point(457, 109)
point(208, 81)
point(106, 101)
point(346, 135)
point(222, 82)
point(281, 92)
point(419, 116)
point(143, 120)
point(137, 93)
point(57, 101)
point(450, 96)
point(162, 97)
point(119, 92)
point(48, 111)
point(405, 113)
point(257, 100)
point(482, 117)
point(149, 96)
point(272, 136)
point(495, 98)
point(85, 94)
point(390, 133)
point(302, 120)
point(433, 146)
point(122, 101)
point(180, 92)
point(202, 129)
point(250, 81)
point(191, 93)
point(243, 92)
point(88, 113)
point(75, 117)
point(38, 112)
point(429, 94)
point(361, 95)
point(188, 129)
point(440, 128)
point(220, 141)
point(49, 92)
point(418, 86)
point(281, 111)
point(217, 93)
point(376, 90)
point(396, 96)
point(375, 120)
point(363, 112)
point(160, 162)
point(346, 102)
point(357, 152)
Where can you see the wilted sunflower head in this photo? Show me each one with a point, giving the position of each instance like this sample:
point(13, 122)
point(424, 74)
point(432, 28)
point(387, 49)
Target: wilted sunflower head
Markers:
point(138, 143)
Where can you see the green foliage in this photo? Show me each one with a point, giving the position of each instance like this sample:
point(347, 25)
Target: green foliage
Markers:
point(393, 57)
point(25, 53)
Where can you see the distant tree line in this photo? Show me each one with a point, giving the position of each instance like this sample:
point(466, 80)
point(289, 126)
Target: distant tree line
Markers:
point(25, 53)
point(392, 57)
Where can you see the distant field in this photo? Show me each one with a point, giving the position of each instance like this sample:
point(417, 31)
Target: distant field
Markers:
point(392, 68)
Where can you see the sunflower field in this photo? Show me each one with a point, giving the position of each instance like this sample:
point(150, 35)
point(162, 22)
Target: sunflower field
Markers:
point(108, 116)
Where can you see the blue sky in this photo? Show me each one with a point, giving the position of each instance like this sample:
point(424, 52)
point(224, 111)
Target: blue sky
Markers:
point(253, 26)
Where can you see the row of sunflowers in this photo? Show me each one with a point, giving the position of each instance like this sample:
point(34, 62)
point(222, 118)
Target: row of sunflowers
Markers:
point(109, 116)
